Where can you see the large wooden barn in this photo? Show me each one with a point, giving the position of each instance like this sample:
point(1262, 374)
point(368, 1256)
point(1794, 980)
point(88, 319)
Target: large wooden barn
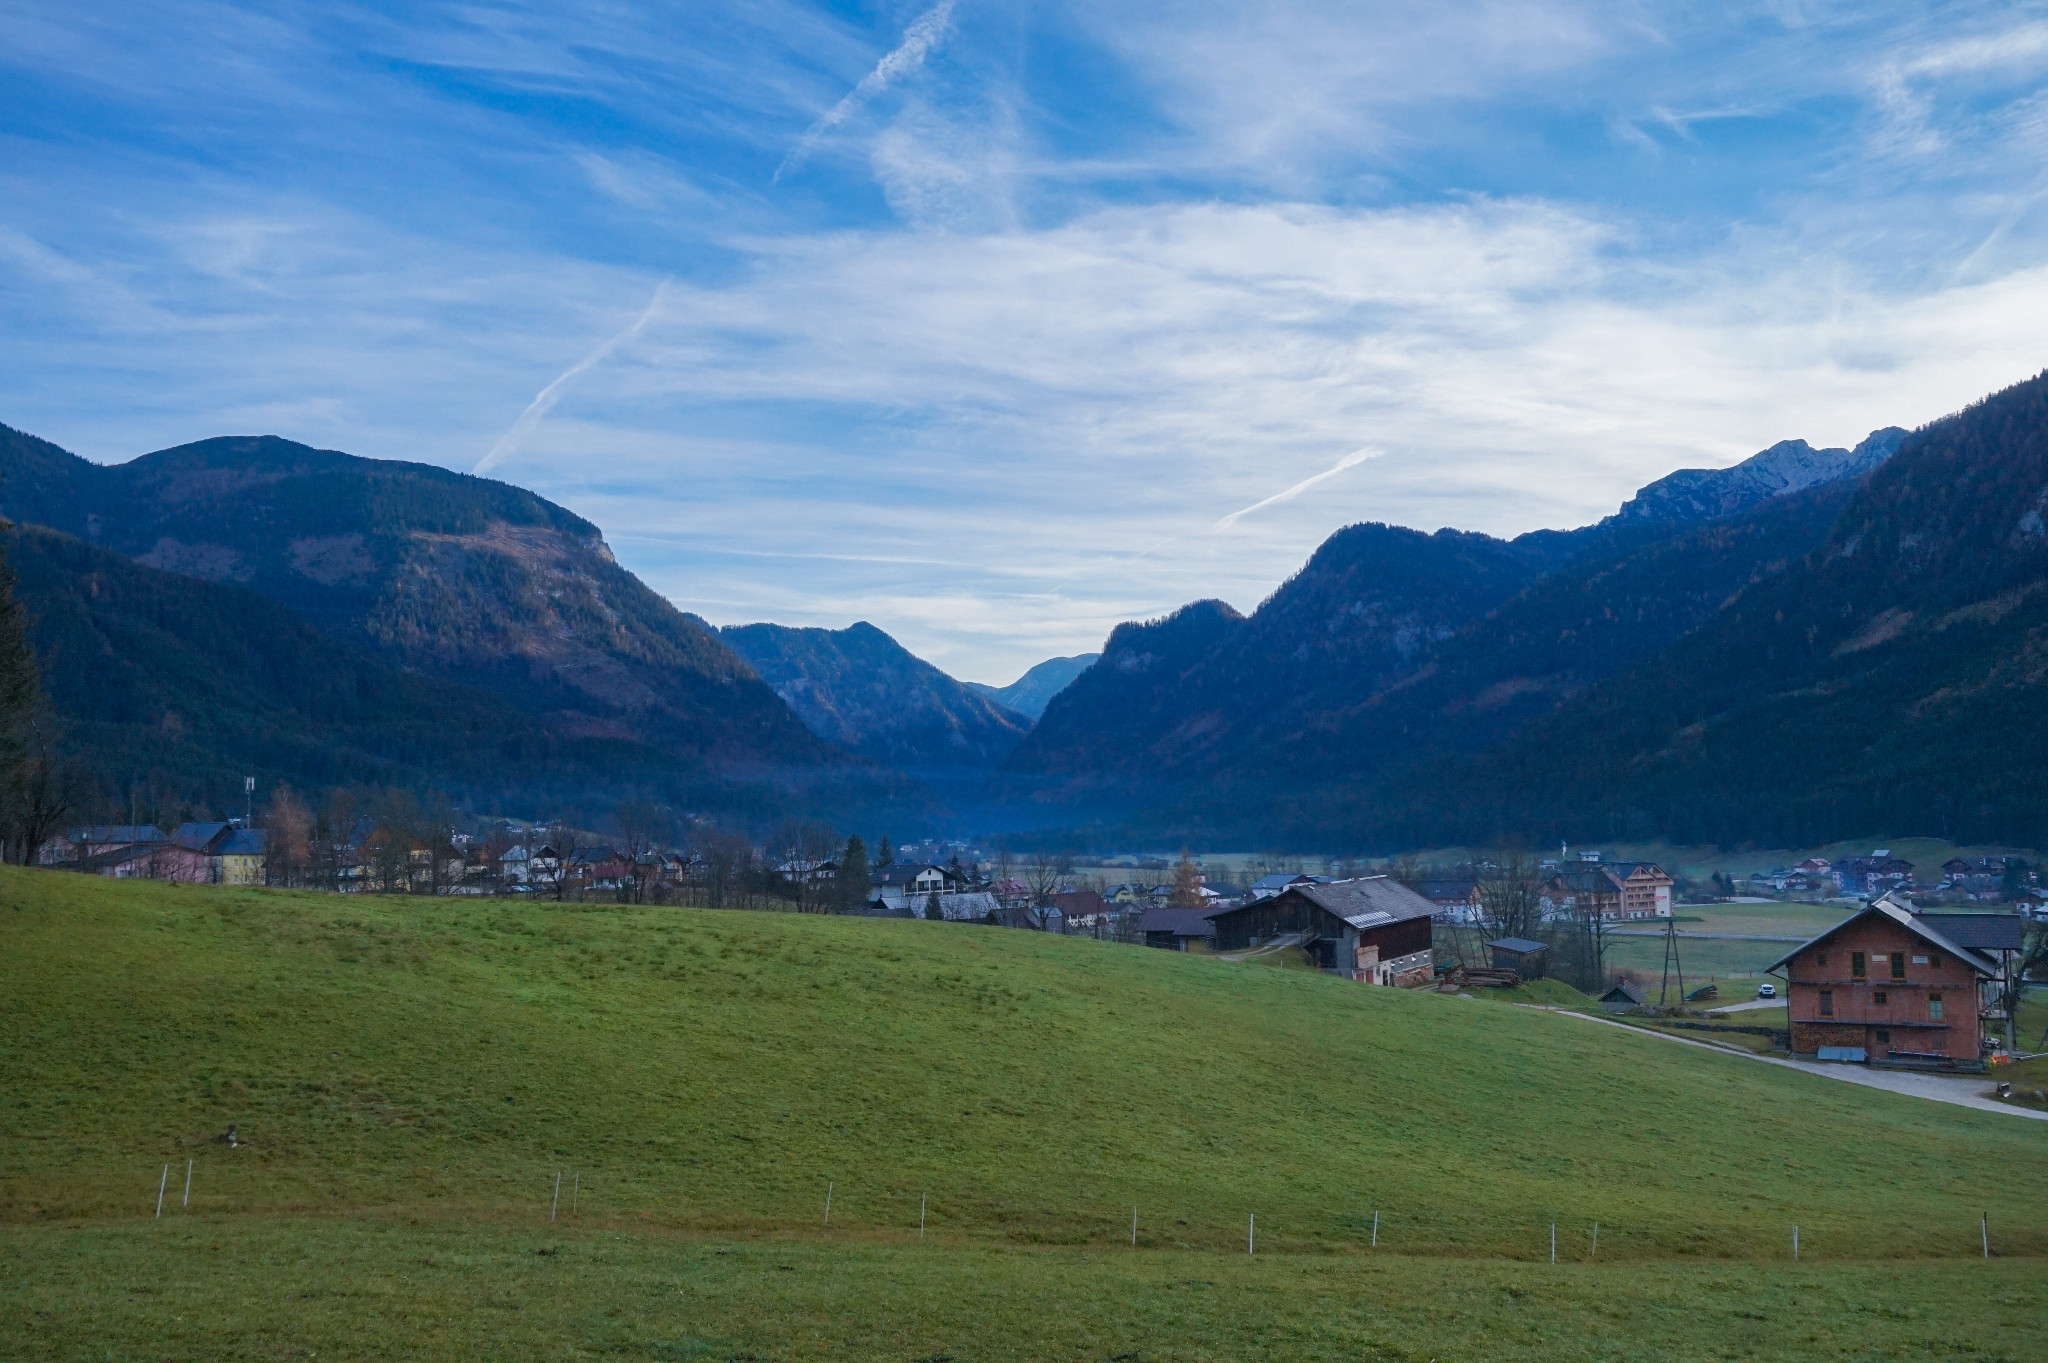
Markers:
point(1374, 929)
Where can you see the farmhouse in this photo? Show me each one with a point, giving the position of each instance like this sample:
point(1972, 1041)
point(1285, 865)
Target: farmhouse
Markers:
point(1176, 929)
point(1374, 929)
point(1887, 984)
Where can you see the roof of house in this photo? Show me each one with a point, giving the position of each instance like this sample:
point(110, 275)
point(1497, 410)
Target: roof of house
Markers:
point(1278, 881)
point(243, 842)
point(904, 872)
point(1521, 946)
point(1458, 891)
point(1918, 924)
point(200, 837)
point(116, 832)
point(1179, 922)
point(1367, 902)
point(1980, 931)
point(1621, 991)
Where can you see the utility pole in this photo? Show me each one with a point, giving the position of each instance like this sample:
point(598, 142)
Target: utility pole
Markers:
point(248, 802)
point(1670, 961)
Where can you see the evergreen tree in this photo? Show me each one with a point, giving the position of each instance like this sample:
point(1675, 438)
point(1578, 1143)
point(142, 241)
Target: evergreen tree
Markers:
point(854, 882)
point(33, 788)
point(883, 856)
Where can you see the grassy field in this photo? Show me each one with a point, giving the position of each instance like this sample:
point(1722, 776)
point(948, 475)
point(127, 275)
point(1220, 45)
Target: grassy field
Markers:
point(407, 1078)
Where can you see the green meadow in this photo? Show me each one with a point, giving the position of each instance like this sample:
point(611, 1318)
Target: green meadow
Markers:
point(407, 1079)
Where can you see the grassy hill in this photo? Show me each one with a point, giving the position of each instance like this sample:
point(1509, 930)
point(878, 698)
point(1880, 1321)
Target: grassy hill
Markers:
point(406, 1075)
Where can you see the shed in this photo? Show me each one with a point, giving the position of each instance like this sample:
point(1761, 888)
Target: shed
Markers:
point(1520, 955)
point(1175, 929)
point(1621, 999)
point(1372, 929)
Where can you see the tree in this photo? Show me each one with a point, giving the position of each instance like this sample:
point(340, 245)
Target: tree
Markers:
point(799, 849)
point(932, 908)
point(44, 788)
point(644, 827)
point(883, 856)
point(36, 787)
point(2012, 990)
point(1043, 875)
point(288, 838)
point(1187, 883)
point(854, 882)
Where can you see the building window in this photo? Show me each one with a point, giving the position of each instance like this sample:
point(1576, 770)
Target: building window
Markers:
point(1820, 958)
point(1884, 1037)
point(1827, 1003)
point(1934, 1007)
point(1856, 964)
point(1936, 958)
point(1898, 965)
point(1880, 997)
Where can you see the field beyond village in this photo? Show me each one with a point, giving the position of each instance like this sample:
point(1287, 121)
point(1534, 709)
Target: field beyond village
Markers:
point(407, 1078)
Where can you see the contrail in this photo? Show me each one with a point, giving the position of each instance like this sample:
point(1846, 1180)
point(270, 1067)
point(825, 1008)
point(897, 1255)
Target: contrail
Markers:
point(920, 38)
point(547, 396)
point(1350, 460)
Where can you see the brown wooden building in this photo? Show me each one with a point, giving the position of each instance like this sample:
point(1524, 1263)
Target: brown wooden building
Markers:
point(1886, 984)
point(1374, 929)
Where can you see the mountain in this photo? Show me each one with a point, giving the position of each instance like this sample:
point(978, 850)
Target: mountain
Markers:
point(449, 576)
point(859, 688)
point(183, 686)
point(1394, 649)
point(1206, 688)
point(1030, 693)
point(1786, 467)
point(1890, 681)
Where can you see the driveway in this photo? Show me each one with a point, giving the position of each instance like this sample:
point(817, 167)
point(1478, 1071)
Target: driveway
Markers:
point(1753, 1003)
point(1961, 1091)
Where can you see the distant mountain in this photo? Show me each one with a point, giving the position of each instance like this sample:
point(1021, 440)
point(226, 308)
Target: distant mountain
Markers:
point(449, 576)
point(1393, 651)
point(859, 688)
point(1206, 688)
point(1030, 693)
point(1889, 682)
point(1786, 467)
point(184, 686)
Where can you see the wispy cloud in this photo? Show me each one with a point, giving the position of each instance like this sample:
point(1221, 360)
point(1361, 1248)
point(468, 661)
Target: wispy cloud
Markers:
point(1351, 460)
point(919, 39)
point(548, 396)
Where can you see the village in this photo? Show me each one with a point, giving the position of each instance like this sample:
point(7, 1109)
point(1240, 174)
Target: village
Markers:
point(1890, 969)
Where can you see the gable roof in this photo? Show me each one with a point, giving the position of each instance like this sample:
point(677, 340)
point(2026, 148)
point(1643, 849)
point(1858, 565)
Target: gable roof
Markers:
point(1179, 922)
point(244, 842)
point(1521, 946)
point(199, 837)
point(1980, 931)
point(1621, 990)
point(1367, 902)
point(116, 832)
point(1884, 906)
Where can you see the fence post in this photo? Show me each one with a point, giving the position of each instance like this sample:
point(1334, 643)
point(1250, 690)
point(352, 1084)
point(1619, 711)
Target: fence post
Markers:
point(1134, 1228)
point(1251, 1234)
point(1596, 1240)
point(921, 1198)
point(828, 1201)
point(160, 1184)
point(1984, 1229)
point(1375, 1228)
point(556, 1205)
point(188, 1185)
point(1795, 1243)
point(1553, 1242)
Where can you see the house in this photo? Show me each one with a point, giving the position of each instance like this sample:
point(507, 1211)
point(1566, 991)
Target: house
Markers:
point(1372, 929)
point(912, 878)
point(1176, 929)
point(1615, 891)
point(93, 840)
point(1456, 900)
point(1622, 998)
point(1079, 911)
point(1265, 887)
point(1519, 954)
point(241, 857)
point(1874, 874)
point(1887, 983)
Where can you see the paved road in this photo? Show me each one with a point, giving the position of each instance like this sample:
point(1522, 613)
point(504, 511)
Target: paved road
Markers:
point(1753, 1003)
point(1959, 1090)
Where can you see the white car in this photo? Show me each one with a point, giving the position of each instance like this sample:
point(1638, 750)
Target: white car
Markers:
point(1767, 991)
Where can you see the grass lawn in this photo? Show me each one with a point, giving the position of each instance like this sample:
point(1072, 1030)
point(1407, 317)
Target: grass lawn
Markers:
point(408, 1077)
point(380, 1288)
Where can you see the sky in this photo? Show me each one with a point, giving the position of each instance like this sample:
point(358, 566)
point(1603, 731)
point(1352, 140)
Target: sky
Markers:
point(997, 323)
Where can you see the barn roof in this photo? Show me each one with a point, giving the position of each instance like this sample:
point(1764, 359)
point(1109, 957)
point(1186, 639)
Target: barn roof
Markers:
point(1519, 945)
point(1367, 902)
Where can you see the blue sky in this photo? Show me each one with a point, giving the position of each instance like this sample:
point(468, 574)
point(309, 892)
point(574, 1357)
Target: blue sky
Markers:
point(991, 322)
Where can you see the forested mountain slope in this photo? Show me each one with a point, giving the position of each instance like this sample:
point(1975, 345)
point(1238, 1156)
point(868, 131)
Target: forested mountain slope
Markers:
point(1891, 681)
point(451, 576)
point(181, 687)
point(859, 688)
point(1032, 692)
